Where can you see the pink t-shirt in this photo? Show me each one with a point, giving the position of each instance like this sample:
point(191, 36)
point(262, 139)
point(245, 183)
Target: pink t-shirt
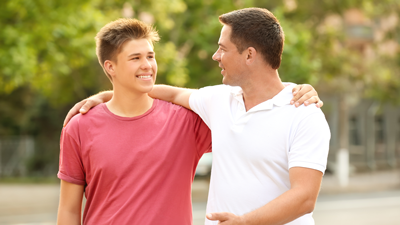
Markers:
point(135, 170)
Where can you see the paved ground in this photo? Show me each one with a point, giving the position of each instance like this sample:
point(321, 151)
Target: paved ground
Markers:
point(370, 199)
point(380, 208)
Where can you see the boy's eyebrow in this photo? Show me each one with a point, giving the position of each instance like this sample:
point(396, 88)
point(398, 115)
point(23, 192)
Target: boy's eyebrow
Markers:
point(136, 54)
point(220, 44)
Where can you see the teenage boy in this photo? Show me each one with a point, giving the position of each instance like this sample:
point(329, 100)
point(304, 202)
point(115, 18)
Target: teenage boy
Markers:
point(134, 157)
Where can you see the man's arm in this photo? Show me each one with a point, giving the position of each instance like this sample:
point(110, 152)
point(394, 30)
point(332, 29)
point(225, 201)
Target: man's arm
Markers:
point(70, 206)
point(176, 95)
point(303, 93)
point(296, 202)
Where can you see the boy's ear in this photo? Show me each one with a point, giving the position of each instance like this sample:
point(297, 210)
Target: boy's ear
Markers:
point(109, 66)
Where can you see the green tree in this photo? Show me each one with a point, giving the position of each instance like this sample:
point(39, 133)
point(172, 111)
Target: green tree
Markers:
point(48, 61)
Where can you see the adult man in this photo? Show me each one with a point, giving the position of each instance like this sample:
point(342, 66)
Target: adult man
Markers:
point(268, 157)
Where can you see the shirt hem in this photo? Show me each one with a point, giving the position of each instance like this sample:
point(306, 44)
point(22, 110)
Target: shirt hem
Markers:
point(70, 179)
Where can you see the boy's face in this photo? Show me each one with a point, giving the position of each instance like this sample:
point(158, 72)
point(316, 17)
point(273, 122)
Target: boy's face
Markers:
point(136, 66)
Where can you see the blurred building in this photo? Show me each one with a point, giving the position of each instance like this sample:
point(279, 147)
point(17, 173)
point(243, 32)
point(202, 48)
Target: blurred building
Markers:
point(368, 129)
point(374, 134)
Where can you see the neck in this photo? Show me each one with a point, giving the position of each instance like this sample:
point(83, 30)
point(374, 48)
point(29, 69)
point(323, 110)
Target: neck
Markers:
point(261, 87)
point(129, 104)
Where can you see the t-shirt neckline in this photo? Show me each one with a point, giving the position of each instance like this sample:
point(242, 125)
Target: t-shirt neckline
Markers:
point(105, 108)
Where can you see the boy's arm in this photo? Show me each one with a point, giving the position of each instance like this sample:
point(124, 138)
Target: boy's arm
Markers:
point(70, 206)
point(303, 93)
point(296, 202)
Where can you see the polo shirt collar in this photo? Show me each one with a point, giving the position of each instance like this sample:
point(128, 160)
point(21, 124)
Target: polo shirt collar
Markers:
point(281, 99)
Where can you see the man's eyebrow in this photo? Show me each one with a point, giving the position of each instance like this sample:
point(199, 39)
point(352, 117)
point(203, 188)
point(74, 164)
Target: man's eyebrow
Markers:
point(220, 44)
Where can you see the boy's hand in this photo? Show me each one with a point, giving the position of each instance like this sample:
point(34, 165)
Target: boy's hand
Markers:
point(305, 93)
point(85, 105)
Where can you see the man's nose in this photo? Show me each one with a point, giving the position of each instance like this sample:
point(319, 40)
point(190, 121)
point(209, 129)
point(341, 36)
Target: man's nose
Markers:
point(216, 56)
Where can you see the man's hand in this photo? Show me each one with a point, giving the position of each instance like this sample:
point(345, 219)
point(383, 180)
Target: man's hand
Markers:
point(226, 218)
point(86, 104)
point(305, 93)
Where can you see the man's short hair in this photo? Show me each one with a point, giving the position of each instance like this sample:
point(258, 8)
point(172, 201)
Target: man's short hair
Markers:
point(111, 38)
point(257, 28)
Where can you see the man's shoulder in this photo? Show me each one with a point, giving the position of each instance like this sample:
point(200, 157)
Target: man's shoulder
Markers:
point(312, 117)
point(303, 115)
point(213, 93)
point(218, 88)
point(305, 111)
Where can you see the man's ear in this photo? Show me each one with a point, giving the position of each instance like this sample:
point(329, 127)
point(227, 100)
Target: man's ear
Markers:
point(109, 66)
point(251, 55)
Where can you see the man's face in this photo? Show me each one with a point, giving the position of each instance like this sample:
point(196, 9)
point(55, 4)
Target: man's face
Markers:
point(136, 66)
point(229, 59)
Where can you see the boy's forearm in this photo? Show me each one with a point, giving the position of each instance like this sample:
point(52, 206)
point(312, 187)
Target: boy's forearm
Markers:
point(68, 218)
point(179, 96)
point(70, 206)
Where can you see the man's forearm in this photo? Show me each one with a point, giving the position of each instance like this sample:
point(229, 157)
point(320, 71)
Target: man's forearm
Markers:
point(179, 96)
point(294, 203)
point(106, 95)
point(287, 207)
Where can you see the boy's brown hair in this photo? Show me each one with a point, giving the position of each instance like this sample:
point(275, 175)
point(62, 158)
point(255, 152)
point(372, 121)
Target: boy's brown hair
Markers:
point(257, 28)
point(111, 38)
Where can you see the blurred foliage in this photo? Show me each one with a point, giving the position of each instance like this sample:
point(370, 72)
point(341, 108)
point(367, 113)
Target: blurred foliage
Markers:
point(48, 61)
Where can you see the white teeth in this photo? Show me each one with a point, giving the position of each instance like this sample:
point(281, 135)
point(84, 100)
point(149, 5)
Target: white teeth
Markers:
point(145, 77)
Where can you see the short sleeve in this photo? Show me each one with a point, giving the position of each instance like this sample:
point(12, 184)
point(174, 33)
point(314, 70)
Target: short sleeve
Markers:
point(202, 134)
point(309, 144)
point(201, 101)
point(70, 165)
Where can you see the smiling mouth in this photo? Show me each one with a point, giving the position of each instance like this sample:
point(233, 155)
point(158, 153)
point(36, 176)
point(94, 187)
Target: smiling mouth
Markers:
point(223, 69)
point(144, 76)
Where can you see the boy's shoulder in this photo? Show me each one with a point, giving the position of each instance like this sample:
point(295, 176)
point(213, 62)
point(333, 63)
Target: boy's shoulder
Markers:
point(169, 106)
point(80, 119)
point(175, 110)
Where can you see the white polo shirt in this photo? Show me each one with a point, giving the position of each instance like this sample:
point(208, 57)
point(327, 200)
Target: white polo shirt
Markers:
point(253, 150)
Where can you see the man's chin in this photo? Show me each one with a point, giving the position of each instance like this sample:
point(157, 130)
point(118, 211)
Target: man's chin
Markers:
point(225, 81)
